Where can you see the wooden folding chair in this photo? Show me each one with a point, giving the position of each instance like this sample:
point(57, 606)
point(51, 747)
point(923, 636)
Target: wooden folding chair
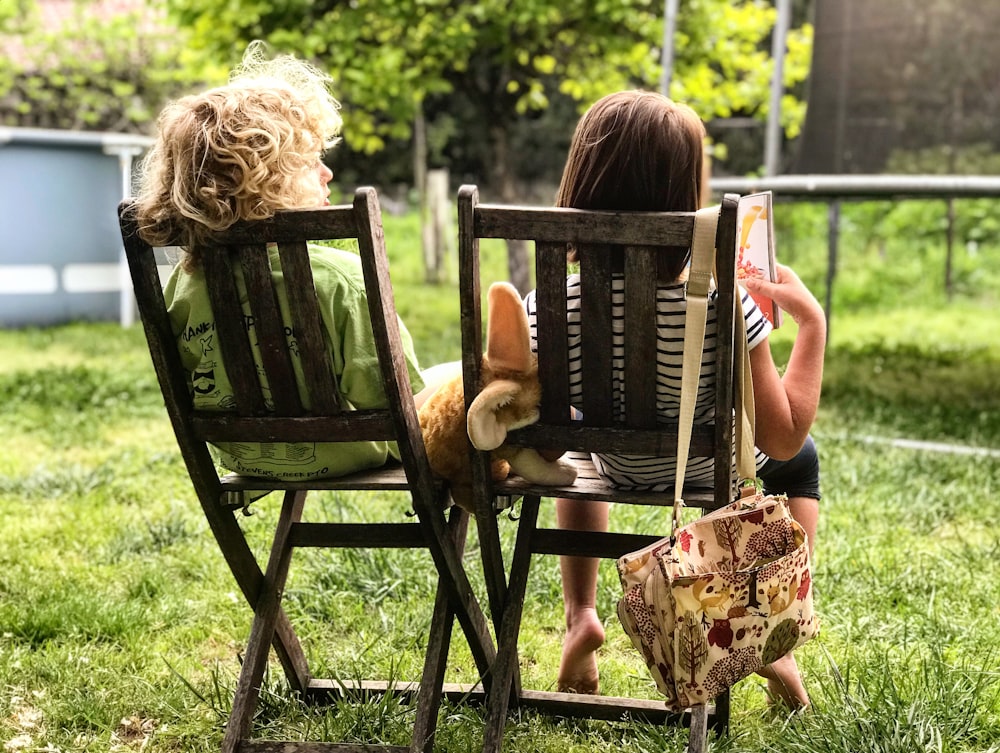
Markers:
point(242, 252)
point(600, 238)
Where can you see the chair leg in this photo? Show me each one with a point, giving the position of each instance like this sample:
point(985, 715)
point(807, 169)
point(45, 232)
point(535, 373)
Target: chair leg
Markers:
point(249, 577)
point(505, 667)
point(495, 574)
point(448, 560)
point(720, 721)
point(262, 631)
point(698, 737)
point(438, 645)
point(492, 557)
point(290, 654)
point(432, 679)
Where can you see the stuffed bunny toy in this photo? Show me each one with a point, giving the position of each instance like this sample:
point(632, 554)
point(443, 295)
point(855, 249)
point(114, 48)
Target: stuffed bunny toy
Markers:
point(508, 399)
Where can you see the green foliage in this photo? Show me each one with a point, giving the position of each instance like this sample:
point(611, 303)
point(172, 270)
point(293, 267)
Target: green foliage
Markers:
point(431, 315)
point(388, 56)
point(11, 14)
point(76, 388)
point(96, 73)
point(969, 159)
point(905, 353)
point(892, 253)
point(908, 373)
point(723, 66)
point(509, 58)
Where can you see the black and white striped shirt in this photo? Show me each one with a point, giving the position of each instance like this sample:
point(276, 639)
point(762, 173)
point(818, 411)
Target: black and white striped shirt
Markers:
point(643, 471)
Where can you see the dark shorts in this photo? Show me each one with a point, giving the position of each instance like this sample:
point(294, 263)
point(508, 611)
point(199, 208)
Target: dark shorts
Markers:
point(798, 477)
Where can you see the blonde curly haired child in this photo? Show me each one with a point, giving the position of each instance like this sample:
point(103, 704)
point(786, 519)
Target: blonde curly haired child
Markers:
point(244, 151)
point(239, 151)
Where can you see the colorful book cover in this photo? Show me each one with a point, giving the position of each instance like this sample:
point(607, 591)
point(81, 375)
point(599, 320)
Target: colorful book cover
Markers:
point(755, 252)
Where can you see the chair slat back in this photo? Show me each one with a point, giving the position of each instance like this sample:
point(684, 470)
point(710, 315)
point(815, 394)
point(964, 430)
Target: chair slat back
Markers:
point(307, 326)
point(597, 348)
point(553, 330)
point(619, 258)
point(232, 334)
point(640, 310)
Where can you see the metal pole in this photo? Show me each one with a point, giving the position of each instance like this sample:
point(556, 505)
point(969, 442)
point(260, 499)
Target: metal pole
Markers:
point(772, 142)
point(667, 55)
point(842, 186)
point(949, 249)
point(126, 300)
point(833, 235)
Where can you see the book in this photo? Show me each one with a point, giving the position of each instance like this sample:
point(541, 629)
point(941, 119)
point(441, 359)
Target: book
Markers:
point(755, 247)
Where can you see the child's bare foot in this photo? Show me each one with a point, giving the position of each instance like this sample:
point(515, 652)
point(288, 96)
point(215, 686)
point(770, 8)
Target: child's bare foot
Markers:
point(784, 683)
point(578, 666)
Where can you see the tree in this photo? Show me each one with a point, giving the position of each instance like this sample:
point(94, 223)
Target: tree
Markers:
point(95, 72)
point(507, 57)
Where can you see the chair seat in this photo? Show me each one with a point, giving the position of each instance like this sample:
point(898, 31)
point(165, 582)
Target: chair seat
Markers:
point(388, 477)
point(590, 485)
point(238, 490)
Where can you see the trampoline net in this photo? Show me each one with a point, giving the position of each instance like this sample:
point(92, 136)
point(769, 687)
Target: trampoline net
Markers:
point(903, 86)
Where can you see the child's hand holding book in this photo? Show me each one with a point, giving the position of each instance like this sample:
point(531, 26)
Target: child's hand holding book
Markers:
point(790, 294)
point(755, 249)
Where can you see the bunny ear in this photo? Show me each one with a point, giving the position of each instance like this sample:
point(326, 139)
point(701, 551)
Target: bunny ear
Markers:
point(485, 431)
point(508, 344)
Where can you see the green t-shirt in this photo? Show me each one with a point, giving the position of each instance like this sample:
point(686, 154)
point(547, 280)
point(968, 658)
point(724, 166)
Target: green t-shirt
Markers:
point(347, 324)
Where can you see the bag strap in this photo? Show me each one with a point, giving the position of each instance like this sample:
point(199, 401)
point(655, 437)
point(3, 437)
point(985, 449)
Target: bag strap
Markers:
point(746, 418)
point(698, 287)
point(706, 222)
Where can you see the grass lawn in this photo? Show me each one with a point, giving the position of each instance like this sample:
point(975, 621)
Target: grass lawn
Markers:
point(121, 628)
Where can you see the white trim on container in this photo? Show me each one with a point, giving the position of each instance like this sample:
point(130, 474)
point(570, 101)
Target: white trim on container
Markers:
point(28, 279)
point(92, 278)
point(56, 137)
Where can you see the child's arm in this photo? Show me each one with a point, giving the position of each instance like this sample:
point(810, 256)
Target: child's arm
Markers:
point(786, 405)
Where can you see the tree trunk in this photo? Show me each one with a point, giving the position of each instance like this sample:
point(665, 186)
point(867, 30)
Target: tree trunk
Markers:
point(436, 230)
point(430, 235)
point(518, 267)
